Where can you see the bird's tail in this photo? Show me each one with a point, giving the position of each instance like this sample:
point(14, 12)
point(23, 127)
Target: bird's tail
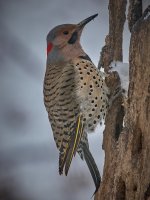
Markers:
point(92, 166)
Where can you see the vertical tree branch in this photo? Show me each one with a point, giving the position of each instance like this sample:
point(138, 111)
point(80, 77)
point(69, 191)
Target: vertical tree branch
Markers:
point(113, 42)
point(112, 51)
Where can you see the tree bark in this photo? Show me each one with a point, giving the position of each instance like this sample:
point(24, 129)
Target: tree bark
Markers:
point(126, 174)
point(134, 12)
point(113, 123)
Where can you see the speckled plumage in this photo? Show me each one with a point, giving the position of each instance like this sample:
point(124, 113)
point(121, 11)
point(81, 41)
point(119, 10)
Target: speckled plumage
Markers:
point(75, 97)
point(91, 92)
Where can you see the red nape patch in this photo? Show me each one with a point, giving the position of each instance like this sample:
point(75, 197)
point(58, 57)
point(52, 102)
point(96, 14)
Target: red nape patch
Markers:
point(49, 47)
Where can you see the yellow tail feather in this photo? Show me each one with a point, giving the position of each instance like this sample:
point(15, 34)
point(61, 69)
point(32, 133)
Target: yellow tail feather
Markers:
point(74, 142)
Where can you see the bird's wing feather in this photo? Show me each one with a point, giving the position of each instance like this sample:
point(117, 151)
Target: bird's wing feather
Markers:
point(64, 113)
point(73, 126)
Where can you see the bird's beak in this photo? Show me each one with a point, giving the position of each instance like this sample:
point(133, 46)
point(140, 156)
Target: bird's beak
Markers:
point(87, 20)
point(78, 29)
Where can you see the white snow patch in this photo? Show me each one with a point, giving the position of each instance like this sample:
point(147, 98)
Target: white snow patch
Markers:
point(123, 71)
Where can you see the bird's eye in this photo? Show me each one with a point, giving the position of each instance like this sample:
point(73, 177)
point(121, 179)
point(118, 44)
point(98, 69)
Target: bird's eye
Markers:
point(65, 32)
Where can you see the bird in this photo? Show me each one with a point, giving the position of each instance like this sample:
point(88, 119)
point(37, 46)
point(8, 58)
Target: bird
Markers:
point(75, 95)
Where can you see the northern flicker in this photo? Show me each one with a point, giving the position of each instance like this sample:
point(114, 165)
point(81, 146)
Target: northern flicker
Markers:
point(75, 95)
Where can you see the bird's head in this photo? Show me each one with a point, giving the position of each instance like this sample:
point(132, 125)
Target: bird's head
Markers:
point(63, 41)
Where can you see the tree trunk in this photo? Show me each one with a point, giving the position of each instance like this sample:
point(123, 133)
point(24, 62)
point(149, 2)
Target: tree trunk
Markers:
point(113, 123)
point(126, 174)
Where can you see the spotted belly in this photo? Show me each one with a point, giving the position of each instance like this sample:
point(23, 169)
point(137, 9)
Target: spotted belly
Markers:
point(92, 93)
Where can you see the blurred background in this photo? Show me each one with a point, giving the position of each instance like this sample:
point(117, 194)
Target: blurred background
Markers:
point(28, 155)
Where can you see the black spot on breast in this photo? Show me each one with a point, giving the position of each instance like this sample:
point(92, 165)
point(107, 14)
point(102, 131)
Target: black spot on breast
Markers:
point(73, 38)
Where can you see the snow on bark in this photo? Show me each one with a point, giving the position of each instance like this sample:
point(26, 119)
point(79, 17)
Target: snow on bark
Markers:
point(123, 71)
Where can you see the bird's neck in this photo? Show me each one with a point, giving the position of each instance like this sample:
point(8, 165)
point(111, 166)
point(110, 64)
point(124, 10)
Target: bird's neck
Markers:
point(73, 51)
point(65, 54)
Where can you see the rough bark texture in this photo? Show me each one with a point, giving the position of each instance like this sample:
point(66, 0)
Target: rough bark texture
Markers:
point(112, 51)
point(127, 155)
point(113, 42)
point(134, 13)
